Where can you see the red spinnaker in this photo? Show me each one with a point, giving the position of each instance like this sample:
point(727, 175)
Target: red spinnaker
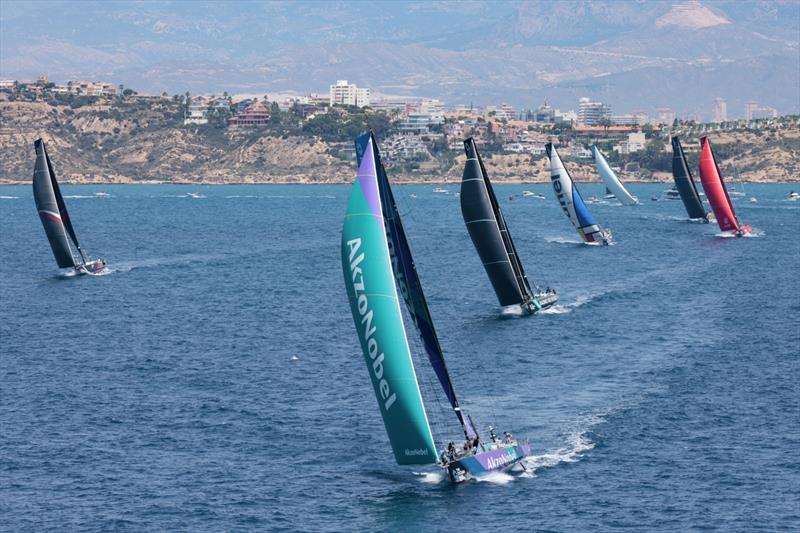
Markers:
point(715, 189)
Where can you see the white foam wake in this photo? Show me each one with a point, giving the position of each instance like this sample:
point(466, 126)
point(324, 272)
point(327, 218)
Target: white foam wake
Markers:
point(564, 308)
point(9, 197)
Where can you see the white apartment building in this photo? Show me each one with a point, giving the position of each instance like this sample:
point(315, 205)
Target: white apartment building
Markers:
point(719, 111)
point(344, 93)
point(196, 113)
point(591, 113)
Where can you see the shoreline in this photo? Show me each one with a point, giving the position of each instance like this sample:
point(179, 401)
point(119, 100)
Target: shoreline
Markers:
point(397, 182)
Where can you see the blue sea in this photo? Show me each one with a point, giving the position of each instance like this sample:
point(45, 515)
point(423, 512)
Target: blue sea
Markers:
point(213, 381)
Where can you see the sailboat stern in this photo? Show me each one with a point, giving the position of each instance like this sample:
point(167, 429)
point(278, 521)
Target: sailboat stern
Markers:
point(499, 459)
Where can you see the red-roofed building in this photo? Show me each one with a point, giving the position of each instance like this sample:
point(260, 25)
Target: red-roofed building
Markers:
point(255, 115)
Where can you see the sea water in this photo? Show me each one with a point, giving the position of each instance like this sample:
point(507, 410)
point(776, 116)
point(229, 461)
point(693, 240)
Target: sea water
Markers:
point(213, 380)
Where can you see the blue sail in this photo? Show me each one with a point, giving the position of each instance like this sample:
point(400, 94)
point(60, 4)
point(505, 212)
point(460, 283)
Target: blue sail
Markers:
point(408, 281)
point(584, 217)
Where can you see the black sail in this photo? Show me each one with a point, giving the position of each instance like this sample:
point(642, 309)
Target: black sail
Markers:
point(50, 205)
point(685, 183)
point(489, 232)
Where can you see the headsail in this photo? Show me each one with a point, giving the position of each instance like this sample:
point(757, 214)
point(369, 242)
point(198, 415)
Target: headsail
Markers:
point(52, 210)
point(613, 185)
point(715, 189)
point(408, 281)
point(367, 268)
point(685, 183)
point(571, 202)
point(489, 232)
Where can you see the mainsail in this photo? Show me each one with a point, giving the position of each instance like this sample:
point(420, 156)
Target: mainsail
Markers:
point(368, 275)
point(408, 281)
point(613, 185)
point(51, 208)
point(489, 232)
point(685, 183)
point(570, 200)
point(715, 189)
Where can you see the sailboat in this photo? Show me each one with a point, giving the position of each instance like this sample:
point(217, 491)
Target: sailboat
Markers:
point(55, 219)
point(489, 232)
point(613, 185)
point(571, 202)
point(685, 185)
point(716, 192)
point(377, 266)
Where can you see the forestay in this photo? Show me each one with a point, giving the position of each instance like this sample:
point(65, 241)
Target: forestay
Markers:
point(407, 279)
point(570, 199)
point(715, 189)
point(684, 182)
point(489, 232)
point(51, 208)
point(375, 306)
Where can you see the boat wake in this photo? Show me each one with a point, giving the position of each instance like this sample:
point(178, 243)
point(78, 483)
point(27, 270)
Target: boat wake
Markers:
point(562, 240)
point(242, 196)
point(564, 308)
point(431, 477)
point(9, 197)
point(79, 196)
point(577, 444)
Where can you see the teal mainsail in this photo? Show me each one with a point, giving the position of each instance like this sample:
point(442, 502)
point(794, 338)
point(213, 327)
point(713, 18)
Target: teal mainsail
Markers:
point(376, 312)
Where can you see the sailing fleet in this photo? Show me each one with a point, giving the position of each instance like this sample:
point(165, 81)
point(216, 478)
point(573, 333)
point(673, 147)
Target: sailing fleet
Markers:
point(388, 304)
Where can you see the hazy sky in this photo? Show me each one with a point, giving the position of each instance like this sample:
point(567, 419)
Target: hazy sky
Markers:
point(630, 54)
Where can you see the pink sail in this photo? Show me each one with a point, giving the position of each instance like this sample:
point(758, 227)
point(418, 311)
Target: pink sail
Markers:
point(715, 190)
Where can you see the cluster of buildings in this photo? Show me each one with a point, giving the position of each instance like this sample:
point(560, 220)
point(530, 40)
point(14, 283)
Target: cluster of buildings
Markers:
point(74, 87)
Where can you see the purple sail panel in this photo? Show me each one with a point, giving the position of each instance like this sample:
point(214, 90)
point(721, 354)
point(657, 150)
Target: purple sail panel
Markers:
point(368, 181)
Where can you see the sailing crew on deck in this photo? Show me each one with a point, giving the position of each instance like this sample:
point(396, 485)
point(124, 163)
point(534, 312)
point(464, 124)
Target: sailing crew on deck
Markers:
point(508, 437)
point(492, 434)
point(451, 451)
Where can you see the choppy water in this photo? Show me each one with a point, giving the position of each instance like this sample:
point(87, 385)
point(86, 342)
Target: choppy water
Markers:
point(213, 381)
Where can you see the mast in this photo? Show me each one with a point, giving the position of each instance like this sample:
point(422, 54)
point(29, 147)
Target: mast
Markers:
point(408, 281)
point(684, 182)
point(375, 305)
point(489, 232)
point(50, 208)
point(570, 199)
point(62, 207)
point(715, 189)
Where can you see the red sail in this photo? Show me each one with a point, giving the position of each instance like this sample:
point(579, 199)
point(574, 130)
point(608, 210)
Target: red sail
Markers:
point(715, 189)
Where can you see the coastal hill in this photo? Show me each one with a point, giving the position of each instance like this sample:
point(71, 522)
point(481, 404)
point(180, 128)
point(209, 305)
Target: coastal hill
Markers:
point(124, 140)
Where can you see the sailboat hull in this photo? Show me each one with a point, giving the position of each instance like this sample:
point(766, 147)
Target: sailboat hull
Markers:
point(500, 459)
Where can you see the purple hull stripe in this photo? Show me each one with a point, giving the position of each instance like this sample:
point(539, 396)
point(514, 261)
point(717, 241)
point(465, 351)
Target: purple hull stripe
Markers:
point(368, 180)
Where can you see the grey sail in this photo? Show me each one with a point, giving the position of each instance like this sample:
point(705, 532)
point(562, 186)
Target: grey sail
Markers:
point(489, 232)
point(685, 183)
point(52, 210)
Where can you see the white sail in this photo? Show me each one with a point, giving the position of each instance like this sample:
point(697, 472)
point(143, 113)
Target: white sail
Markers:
point(611, 180)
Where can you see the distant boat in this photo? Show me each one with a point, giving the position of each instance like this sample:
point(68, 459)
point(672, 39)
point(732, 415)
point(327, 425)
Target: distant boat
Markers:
point(531, 194)
point(55, 218)
point(685, 186)
point(793, 196)
point(440, 190)
point(101, 194)
point(195, 195)
point(492, 239)
point(571, 202)
point(614, 188)
point(717, 193)
point(378, 268)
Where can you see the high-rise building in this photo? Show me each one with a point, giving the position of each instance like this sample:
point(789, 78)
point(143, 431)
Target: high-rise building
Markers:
point(344, 93)
point(750, 108)
point(591, 113)
point(665, 115)
point(719, 112)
